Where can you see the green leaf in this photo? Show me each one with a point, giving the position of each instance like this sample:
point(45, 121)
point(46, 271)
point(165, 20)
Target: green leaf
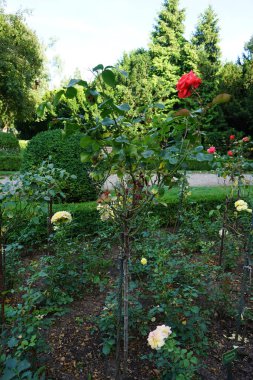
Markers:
point(71, 92)
point(107, 121)
point(106, 349)
point(124, 73)
point(41, 109)
point(123, 107)
point(122, 139)
point(80, 82)
point(23, 365)
point(8, 375)
point(85, 157)
point(57, 97)
point(199, 148)
point(98, 67)
point(195, 309)
point(89, 145)
point(159, 106)
point(221, 98)
point(12, 342)
point(173, 160)
point(194, 360)
point(109, 78)
point(147, 153)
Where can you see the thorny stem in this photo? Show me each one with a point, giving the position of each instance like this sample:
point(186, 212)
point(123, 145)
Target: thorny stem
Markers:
point(117, 376)
point(224, 220)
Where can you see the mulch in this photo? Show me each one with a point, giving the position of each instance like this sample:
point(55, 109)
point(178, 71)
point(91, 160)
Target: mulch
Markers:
point(76, 349)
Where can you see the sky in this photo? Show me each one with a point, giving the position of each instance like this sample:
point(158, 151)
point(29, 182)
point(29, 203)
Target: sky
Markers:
point(88, 32)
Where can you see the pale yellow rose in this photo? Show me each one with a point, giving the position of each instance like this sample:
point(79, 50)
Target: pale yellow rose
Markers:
point(164, 330)
point(155, 340)
point(61, 217)
point(144, 261)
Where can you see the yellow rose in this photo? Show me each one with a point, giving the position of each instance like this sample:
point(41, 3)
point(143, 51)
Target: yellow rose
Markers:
point(61, 217)
point(144, 261)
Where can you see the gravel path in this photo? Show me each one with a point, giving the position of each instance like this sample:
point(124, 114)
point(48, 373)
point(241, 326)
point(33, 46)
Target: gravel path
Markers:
point(195, 179)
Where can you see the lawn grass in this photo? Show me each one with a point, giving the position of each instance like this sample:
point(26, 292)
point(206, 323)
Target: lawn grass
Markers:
point(198, 194)
point(23, 144)
point(7, 173)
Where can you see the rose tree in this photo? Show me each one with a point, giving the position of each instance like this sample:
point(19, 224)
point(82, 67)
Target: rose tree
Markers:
point(145, 164)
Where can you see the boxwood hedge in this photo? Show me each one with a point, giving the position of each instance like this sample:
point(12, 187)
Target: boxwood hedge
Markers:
point(10, 157)
point(65, 153)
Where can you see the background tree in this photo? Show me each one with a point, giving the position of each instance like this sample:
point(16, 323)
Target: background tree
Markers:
point(67, 110)
point(21, 68)
point(136, 88)
point(206, 40)
point(237, 79)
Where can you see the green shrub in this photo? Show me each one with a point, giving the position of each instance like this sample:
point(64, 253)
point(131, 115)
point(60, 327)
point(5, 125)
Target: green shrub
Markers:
point(87, 221)
point(198, 165)
point(10, 161)
point(10, 157)
point(65, 154)
point(9, 142)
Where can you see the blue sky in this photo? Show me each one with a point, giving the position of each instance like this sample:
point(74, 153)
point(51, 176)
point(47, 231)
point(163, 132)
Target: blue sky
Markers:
point(91, 32)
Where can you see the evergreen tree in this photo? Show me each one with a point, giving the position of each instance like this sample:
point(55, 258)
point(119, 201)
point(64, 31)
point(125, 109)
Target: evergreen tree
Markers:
point(206, 40)
point(171, 54)
point(136, 88)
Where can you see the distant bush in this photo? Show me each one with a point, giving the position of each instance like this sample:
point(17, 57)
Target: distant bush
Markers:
point(10, 162)
point(9, 142)
point(198, 165)
point(10, 157)
point(65, 154)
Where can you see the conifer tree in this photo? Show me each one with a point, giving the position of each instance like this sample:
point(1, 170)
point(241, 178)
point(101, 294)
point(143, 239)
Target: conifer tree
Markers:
point(136, 88)
point(171, 54)
point(206, 40)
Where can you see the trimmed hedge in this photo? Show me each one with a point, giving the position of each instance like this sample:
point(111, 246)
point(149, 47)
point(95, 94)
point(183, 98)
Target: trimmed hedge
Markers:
point(65, 154)
point(10, 157)
point(87, 221)
point(9, 142)
point(198, 165)
point(10, 162)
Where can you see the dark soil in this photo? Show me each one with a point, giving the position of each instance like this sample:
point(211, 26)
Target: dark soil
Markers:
point(76, 349)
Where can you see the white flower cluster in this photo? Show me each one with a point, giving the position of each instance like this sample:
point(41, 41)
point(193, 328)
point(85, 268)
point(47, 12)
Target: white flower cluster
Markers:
point(105, 211)
point(241, 205)
point(156, 338)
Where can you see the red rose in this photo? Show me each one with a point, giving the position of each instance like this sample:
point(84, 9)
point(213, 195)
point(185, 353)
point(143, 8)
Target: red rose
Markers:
point(187, 83)
point(232, 137)
point(211, 150)
point(245, 139)
point(230, 153)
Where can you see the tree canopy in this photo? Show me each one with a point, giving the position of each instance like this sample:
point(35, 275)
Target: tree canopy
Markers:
point(21, 66)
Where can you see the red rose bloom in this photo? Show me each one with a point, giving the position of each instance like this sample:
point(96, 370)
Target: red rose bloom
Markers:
point(230, 153)
point(232, 137)
point(245, 139)
point(211, 150)
point(187, 83)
